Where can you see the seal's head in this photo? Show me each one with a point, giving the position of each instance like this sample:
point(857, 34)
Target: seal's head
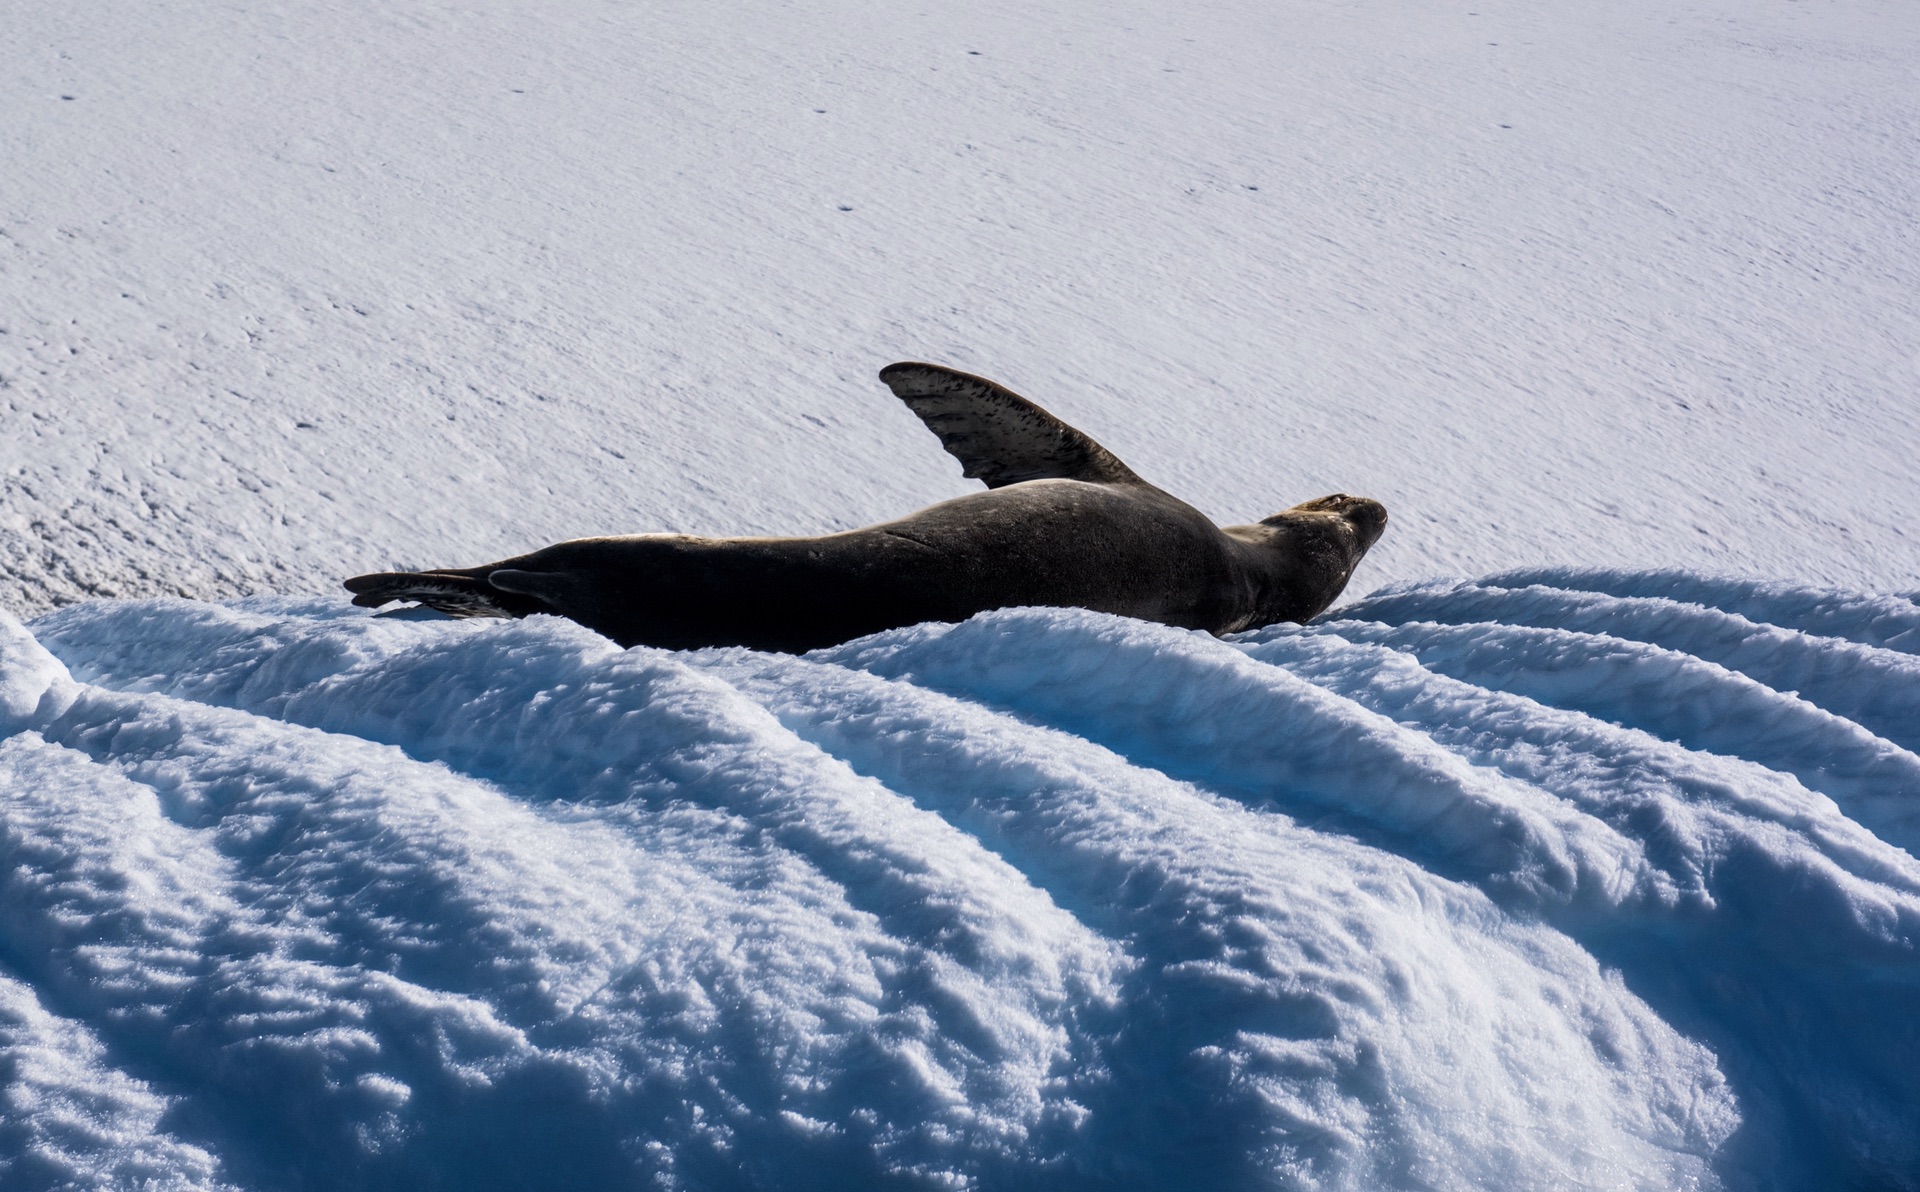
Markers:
point(1302, 557)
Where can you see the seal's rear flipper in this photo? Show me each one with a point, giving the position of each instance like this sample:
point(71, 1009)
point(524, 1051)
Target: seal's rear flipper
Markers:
point(997, 435)
point(453, 593)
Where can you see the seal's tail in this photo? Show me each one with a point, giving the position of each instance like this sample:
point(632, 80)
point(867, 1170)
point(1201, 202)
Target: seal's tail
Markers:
point(456, 593)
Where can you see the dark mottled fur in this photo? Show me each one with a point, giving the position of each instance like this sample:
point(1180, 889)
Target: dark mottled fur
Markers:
point(1065, 524)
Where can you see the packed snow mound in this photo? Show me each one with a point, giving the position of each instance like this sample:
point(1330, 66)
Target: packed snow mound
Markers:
point(1571, 880)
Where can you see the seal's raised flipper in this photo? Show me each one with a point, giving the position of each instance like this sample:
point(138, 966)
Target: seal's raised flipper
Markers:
point(997, 435)
point(453, 593)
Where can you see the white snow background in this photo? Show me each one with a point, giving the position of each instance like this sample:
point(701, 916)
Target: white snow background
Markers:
point(1596, 872)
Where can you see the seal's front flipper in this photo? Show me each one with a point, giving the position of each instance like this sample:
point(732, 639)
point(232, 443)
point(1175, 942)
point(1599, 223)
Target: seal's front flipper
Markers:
point(997, 435)
point(551, 590)
point(453, 593)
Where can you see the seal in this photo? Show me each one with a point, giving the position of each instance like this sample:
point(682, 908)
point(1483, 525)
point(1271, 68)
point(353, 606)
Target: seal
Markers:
point(1063, 523)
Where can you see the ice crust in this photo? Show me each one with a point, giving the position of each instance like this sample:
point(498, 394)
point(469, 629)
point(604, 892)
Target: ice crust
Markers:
point(1424, 895)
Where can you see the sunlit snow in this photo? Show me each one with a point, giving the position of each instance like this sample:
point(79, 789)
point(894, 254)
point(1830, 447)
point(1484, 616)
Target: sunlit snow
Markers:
point(1415, 896)
point(1597, 871)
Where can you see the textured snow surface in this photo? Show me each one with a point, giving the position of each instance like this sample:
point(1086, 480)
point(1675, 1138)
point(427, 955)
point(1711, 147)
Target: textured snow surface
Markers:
point(1425, 895)
point(1598, 878)
point(292, 291)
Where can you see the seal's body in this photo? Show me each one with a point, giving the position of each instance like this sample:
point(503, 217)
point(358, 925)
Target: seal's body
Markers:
point(1063, 523)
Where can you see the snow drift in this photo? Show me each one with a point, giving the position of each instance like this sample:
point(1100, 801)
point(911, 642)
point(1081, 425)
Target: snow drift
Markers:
point(1555, 879)
point(1547, 880)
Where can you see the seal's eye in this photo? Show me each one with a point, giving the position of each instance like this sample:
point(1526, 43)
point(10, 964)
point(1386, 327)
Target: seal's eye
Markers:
point(1332, 503)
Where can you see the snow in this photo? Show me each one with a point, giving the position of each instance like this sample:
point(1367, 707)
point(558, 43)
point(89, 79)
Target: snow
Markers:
point(1627, 283)
point(1595, 870)
point(1044, 898)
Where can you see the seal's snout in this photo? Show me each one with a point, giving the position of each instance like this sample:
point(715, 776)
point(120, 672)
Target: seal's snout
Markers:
point(1368, 518)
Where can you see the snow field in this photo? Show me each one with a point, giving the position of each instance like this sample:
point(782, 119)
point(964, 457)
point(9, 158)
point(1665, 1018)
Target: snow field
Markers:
point(1046, 898)
point(1577, 874)
point(289, 293)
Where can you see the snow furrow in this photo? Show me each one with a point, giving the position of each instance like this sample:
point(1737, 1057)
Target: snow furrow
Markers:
point(1284, 970)
point(1047, 898)
point(1878, 688)
point(1697, 704)
point(1888, 620)
point(1841, 908)
point(965, 976)
point(339, 981)
point(1200, 710)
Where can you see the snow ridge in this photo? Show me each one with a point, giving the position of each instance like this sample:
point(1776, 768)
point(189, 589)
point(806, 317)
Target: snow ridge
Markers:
point(1538, 880)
